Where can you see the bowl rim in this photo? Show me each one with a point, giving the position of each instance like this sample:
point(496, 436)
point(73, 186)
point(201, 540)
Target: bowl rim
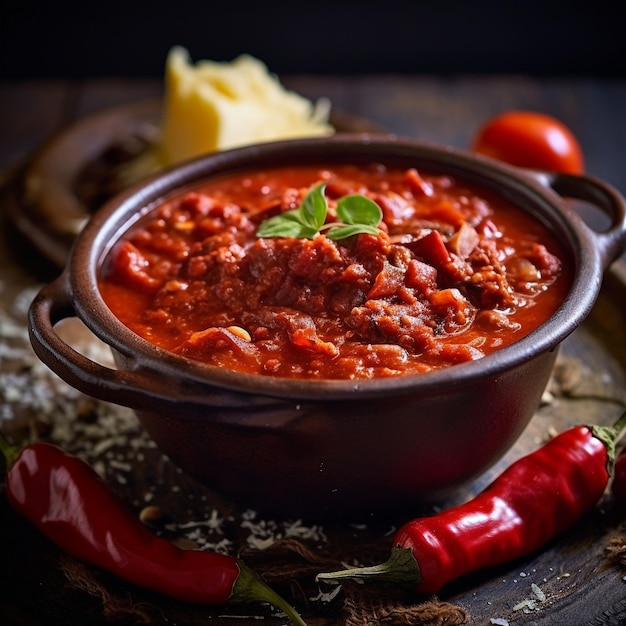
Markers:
point(119, 213)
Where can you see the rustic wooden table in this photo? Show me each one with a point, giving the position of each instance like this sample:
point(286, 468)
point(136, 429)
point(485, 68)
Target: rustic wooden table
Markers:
point(571, 582)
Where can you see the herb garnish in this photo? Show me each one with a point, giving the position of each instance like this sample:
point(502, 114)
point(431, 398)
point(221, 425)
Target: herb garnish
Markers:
point(358, 214)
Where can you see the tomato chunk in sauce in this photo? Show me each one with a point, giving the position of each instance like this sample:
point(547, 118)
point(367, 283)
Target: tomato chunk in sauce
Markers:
point(456, 273)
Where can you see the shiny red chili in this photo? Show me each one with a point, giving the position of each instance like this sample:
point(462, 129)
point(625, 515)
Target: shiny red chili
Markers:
point(618, 485)
point(531, 502)
point(72, 506)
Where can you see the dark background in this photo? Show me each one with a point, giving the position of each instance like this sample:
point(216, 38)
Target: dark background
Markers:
point(113, 38)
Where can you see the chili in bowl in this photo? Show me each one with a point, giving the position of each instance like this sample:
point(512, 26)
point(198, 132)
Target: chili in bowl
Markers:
point(332, 327)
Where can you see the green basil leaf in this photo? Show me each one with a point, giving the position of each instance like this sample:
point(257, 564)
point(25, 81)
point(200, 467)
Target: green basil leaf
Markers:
point(358, 214)
point(286, 224)
point(357, 209)
point(314, 207)
point(343, 232)
point(308, 232)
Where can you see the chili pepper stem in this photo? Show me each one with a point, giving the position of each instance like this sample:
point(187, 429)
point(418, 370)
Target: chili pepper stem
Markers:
point(249, 587)
point(400, 568)
point(610, 436)
point(9, 451)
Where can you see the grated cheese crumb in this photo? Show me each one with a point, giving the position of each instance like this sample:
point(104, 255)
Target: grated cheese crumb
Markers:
point(531, 603)
point(541, 596)
point(326, 596)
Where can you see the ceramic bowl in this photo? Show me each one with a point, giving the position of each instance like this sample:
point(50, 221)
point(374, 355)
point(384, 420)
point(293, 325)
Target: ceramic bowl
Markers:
point(330, 448)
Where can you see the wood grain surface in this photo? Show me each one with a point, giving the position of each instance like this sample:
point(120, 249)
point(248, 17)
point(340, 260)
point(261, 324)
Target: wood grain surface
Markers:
point(577, 583)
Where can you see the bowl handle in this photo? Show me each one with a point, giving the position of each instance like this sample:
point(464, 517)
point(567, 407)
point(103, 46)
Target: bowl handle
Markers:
point(611, 242)
point(50, 306)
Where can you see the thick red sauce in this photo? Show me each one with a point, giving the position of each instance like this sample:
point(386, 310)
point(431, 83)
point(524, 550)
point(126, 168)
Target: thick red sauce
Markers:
point(459, 274)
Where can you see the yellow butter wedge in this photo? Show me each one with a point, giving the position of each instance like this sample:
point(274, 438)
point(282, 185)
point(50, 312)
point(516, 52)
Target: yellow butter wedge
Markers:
point(218, 105)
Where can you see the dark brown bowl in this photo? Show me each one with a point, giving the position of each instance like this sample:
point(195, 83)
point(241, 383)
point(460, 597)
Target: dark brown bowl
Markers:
point(330, 448)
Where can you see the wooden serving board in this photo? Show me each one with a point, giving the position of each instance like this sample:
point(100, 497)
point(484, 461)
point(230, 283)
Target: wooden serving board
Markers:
point(571, 581)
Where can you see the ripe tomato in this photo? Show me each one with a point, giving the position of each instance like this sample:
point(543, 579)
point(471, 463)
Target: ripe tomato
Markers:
point(532, 140)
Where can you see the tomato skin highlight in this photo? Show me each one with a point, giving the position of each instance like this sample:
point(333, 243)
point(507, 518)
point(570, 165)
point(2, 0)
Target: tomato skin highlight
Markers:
point(532, 140)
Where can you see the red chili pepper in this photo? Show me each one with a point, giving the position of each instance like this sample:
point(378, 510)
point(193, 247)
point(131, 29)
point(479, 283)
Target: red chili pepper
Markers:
point(70, 504)
point(618, 486)
point(534, 500)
